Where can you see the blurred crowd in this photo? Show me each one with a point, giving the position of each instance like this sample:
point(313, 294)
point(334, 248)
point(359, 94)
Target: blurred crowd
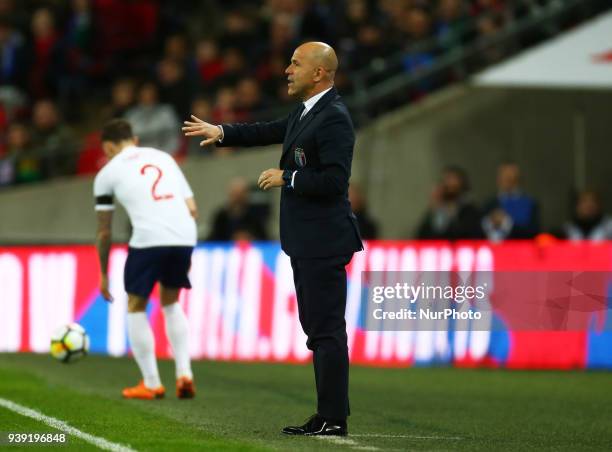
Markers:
point(511, 213)
point(66, 66)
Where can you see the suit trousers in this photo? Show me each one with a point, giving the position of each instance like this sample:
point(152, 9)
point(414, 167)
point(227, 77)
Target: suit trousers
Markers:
point(320, 285)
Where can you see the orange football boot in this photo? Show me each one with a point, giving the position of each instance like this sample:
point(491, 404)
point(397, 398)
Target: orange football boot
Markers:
point(185, 388)
point(140, 391)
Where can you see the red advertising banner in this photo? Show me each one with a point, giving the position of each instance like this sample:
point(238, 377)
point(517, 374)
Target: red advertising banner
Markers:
point(242, 305)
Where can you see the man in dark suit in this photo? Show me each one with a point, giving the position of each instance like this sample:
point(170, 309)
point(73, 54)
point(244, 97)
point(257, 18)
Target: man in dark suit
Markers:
point(317, 228)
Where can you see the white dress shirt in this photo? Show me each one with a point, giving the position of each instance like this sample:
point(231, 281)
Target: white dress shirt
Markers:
point(309, 103)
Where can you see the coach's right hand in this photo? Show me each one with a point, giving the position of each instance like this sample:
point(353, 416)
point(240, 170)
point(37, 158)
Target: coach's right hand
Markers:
point(199, 128)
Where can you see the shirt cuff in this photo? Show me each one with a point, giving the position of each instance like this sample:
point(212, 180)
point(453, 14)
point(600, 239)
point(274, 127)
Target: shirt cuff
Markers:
point(220, 140)
point(293, 178)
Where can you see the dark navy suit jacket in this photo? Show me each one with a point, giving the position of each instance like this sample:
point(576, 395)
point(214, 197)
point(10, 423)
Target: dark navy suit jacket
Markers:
point(315, 215)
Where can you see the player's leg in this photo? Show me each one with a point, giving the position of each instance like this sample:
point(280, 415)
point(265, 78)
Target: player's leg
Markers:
point(177, 330)
point(142, 343)
point(174, 276)
point(139, 279)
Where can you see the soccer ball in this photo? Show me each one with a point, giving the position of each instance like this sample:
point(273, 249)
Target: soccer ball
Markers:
point(69, 343)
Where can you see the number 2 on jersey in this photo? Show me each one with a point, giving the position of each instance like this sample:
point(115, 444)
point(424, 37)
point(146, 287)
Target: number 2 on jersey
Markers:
point(156, 197)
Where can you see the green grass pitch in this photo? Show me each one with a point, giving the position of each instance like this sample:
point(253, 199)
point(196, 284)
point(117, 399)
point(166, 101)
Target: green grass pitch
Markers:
point(243, 406)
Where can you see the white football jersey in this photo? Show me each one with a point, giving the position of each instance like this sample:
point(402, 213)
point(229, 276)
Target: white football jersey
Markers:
point(152, 189)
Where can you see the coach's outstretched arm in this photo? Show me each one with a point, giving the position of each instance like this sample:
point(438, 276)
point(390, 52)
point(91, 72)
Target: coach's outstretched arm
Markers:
point(243, 134)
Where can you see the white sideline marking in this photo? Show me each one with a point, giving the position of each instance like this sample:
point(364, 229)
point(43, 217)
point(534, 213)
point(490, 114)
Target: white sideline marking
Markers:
point(64, 427)
point(381, 435)
point(342, 441)
point(349, 442)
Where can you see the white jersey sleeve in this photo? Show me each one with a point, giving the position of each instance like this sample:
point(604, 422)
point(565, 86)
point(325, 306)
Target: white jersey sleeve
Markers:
point(103, 192)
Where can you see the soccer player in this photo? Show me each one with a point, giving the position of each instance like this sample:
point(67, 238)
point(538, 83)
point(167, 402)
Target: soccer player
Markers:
point(162, 211)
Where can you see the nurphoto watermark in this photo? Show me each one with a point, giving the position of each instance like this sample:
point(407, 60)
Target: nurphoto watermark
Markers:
point(486, 301)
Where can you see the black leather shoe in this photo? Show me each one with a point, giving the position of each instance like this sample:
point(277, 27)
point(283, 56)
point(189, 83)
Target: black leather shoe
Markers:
point(318, 426)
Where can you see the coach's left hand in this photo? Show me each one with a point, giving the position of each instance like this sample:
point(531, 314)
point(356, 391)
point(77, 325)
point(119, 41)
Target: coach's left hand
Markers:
point(271, 178)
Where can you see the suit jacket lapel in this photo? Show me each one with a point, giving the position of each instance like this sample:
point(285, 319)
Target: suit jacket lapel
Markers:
point(298, 126)
point(293, 123)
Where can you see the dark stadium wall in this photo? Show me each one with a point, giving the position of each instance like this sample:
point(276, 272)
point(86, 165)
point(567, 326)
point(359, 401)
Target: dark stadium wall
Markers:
point(398, 158)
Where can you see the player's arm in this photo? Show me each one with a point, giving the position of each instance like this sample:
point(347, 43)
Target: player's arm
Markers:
point(103, 194)
point(103, 245)
point(192, 206)
point(185, 189)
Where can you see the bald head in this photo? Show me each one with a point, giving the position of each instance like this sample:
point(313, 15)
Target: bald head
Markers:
point(321, 54)
point(312, 69)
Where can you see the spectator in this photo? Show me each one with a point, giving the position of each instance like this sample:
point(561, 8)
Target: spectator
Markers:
point(208, 61)
point(224, 110)
point(361, 35)
point(488, 26)
point(392, 8)
point(282, 34)
point(416, 24)
point(123, 97)
point(45, 54)
point(357, 15)
point(14, 64)
point(512, 214)
point(77, 64)
point(202, 108)
point(53, 140)
point(369, 45)
point(271, 73)
point(175, 87)
point(27, 163)
point(588, 221)
point(16, 12)
point(367, 226)
point(13, 105)
point(234, 65)
point(121, 41)
point(176, 48)
point(7, 167)
point(451, 216)
point(155, 124)
point(315, 22)
point(91, 155)
point(238, 219)
point(452, 23)
point(3, 122)
point(249, 98)
point(420, 52)
point(240, 30)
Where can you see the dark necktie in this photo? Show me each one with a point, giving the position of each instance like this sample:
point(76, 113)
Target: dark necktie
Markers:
point(302, 112)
